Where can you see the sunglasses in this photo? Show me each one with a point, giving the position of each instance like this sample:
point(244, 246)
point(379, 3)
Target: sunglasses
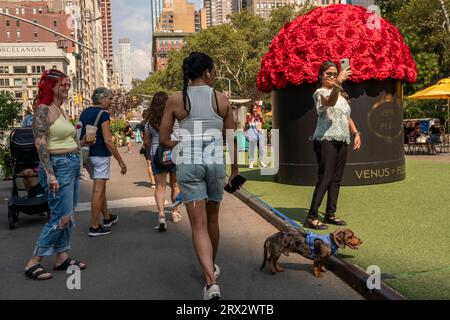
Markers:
point(65, 85)
point(331, 74)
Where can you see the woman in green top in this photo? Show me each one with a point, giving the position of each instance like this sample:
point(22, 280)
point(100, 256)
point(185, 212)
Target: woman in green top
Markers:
point(331, 139)
point(59, 173)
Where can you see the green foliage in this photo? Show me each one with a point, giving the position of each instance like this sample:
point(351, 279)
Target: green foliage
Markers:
point(117, 127)
point(421, 24)
point(268, 124)
point(10, 110)
point(5, 161)
point(237, 49)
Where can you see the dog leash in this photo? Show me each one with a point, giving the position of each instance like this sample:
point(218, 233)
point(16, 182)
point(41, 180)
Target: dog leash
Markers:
point(279, 213)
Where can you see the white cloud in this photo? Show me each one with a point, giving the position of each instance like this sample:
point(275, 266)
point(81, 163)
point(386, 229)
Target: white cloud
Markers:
point(136, 23)
point(141, 63)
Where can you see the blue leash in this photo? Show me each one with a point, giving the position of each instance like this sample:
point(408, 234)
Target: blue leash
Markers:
point(279, 213)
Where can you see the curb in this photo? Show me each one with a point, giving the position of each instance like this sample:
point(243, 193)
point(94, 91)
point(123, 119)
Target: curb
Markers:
point(355, 277)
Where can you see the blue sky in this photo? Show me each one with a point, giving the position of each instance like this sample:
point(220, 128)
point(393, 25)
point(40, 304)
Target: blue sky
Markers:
point(131, 19)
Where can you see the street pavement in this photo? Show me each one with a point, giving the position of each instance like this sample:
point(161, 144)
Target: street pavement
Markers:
point(137, 262)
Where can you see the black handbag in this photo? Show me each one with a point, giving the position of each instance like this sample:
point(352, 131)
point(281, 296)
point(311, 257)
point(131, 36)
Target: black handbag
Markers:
point(163, 157)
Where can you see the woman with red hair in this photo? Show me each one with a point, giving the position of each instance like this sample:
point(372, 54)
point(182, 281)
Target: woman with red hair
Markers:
point(59, 173)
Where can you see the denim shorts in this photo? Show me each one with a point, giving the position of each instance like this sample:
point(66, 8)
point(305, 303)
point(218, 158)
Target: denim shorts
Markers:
point(201, 182)
point(54, 239)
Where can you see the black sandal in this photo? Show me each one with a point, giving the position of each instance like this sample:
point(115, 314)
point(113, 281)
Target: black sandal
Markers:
point(309, 223)
point(69, 262)
point(333, 220)
point(33, 274)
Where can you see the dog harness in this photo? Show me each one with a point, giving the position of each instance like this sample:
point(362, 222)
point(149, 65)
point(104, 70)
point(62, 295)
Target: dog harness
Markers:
point(311, 237)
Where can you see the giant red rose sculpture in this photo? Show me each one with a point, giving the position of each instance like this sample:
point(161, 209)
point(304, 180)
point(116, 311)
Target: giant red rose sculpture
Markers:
point(332, 33)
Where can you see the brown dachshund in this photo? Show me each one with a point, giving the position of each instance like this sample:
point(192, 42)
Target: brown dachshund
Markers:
point(310, 245)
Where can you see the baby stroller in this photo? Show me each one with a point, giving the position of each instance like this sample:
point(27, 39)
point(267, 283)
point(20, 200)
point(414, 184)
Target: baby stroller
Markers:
point(27, 195)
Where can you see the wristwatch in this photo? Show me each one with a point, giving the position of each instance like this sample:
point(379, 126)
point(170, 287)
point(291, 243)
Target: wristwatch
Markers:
point(356, 132)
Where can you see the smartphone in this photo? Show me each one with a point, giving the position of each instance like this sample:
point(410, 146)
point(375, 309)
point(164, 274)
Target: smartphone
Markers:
point(345, 63)
point(235, 184)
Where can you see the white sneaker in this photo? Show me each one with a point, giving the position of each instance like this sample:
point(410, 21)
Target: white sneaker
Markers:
point(263, 164)
point(216, 271)
point(251, 166)
point(162, 225)
point(213, 293)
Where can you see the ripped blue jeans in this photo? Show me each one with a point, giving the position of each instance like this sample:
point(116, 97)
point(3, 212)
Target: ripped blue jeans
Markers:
point(55, 236)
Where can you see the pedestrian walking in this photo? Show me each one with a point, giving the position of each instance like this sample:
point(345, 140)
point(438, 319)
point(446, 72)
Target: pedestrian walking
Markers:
point(331, 138)
point(28, 118)
point(202, 114)
point(59, 173)
point(146, 147)
point(99, 162)
point(255, 135)
point(151, 136)
point(128, 131)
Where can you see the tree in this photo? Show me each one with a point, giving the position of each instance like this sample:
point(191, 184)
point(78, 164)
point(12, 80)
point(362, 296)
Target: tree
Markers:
point(421, 24)
point(10, 110)
point(123, 102)
point(236, 49)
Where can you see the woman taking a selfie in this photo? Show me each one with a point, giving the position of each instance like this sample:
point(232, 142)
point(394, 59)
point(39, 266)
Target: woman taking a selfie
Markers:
point(331, 140)
point(201, 181)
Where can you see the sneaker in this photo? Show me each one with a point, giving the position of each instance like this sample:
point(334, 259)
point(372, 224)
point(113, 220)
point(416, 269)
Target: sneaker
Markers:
point(100, 231)
point(251, 166)
point(178, 201)
point(263, 164)
point(162, 225)
point(216, 271)
point(112, 220)
point(176, 216)
point(213, 293)
point(152, 186)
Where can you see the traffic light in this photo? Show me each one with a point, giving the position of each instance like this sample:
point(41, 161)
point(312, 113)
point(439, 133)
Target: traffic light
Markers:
point(75, 99)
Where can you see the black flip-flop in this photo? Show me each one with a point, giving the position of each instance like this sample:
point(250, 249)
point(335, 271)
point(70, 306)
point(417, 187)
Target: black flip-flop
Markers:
point(32, 274)
point(67, 263)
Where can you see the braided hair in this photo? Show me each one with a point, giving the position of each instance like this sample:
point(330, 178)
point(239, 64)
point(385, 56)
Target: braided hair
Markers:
point(193, 67)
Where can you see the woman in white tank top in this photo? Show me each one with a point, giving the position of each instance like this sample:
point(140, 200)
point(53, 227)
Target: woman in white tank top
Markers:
point(202, 113)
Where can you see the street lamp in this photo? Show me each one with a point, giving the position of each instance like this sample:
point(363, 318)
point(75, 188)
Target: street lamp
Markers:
point(229, 84)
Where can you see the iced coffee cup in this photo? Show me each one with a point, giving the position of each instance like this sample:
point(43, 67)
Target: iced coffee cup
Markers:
point(91, 133)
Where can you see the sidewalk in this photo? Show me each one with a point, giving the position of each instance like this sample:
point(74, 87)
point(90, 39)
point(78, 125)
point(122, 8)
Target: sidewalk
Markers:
point(137, 262)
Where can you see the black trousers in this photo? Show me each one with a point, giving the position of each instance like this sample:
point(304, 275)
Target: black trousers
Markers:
point(331, 157)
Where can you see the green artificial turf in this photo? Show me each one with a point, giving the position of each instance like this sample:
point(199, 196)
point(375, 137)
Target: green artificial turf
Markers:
point(405, 225)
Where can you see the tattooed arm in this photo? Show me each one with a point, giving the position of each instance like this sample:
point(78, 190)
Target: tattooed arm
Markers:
point(41, 125)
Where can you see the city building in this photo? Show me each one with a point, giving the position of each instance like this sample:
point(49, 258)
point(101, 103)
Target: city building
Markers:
point(177, 16)
point(156, 6)
point(22, 64)
point(365, 3)
point(240, 5)
point(263, 8)
point(200, 20)
point(163, 43)
point(107, 34)
point(218, 11)
point(16, 31)
point(125, 71)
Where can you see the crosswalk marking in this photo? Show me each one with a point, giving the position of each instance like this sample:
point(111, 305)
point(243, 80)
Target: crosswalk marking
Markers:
point(122, 203)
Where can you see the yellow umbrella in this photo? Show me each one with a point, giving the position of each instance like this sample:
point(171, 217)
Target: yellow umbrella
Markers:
point(441, 90)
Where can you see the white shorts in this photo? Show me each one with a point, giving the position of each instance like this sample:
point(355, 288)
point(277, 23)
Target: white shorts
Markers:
point(99, 167)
